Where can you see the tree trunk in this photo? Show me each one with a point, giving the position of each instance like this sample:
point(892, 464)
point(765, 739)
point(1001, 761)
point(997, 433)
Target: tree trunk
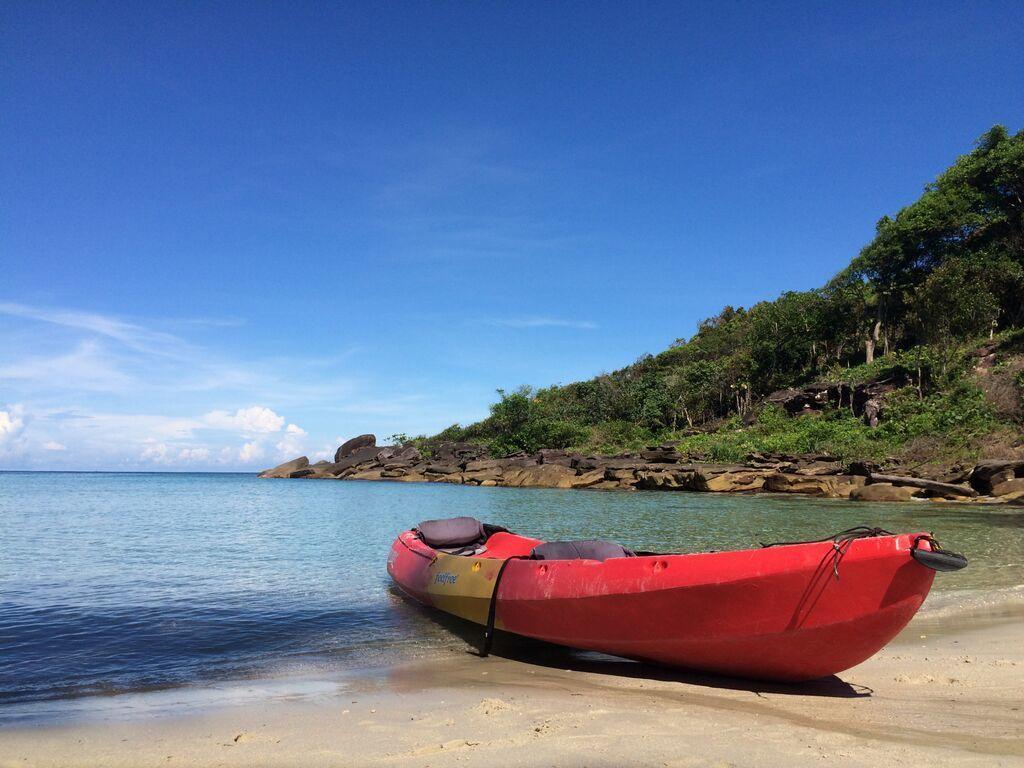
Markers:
point(872, 342)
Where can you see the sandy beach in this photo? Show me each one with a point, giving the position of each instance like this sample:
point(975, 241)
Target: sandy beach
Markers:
point(946, 691)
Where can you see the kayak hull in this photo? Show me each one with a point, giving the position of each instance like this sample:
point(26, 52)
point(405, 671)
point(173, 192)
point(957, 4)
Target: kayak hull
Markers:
point(794, 612)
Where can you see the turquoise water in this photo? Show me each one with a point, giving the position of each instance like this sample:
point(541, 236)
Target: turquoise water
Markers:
point(118, 582)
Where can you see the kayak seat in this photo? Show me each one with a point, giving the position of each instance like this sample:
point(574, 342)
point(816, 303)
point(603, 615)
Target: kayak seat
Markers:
point(452, 532)
point(457, 535)
point(589, 549)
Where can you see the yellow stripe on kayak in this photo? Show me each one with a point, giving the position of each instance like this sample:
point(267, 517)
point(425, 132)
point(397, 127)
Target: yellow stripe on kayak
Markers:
point(462, 585)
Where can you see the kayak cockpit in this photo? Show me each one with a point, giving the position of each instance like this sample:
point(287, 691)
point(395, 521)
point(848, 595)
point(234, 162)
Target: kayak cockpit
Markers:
point(468, 537)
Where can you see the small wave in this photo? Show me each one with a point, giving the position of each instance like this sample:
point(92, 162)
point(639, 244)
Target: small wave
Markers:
point(956, 602)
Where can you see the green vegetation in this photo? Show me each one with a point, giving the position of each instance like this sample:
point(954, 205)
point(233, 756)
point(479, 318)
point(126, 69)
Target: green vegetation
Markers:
point(942, 277)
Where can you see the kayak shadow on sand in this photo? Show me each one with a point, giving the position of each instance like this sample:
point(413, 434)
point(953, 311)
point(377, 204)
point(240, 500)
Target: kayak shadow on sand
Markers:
point(539, 653)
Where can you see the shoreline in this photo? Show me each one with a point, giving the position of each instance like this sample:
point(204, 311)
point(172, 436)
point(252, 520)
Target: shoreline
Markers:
point(661, 468)
point(947, 688)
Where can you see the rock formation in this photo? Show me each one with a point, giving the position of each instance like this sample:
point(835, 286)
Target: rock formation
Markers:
point(658, 467)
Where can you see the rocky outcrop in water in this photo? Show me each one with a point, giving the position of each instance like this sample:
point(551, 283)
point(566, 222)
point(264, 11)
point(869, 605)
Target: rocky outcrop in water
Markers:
point(659, 467)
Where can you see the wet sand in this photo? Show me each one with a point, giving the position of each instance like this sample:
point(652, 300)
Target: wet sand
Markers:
point(948, 691)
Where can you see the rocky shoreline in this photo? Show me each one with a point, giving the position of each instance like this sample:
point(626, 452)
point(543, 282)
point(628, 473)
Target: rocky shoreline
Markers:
point(657, 468)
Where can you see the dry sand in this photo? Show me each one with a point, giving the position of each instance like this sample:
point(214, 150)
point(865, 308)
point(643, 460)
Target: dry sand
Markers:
point(948, 691)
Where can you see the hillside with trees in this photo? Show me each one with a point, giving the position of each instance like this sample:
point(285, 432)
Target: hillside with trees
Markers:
point(913, 354)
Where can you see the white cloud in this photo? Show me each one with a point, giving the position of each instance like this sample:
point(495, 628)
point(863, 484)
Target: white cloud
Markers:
point(131, 335)
point(121, 427)
point(542, 322)
point(188, 455)
point(88, 367)
point(12, 428)
point(160, 453)
point(115, 356)
point(155, 452)
point(250, 452)
point(254, 420)
point(98, 391)
point(293, 441)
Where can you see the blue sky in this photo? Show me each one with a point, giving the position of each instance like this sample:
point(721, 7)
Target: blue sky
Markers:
point(235, 232)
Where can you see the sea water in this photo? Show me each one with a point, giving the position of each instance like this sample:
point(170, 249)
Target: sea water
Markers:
point(116, 582)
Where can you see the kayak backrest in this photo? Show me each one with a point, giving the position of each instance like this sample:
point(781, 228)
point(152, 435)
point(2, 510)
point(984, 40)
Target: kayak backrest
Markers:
point(453, 532)
point(589, 549)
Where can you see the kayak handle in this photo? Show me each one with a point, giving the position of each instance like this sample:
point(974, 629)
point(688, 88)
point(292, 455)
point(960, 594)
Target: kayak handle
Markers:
point(936, 558)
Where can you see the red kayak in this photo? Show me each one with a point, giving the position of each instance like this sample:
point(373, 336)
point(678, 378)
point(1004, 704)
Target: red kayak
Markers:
point(782, 612)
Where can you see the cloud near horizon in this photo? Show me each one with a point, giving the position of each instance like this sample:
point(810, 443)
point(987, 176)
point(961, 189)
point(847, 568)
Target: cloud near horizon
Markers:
point(72, 383)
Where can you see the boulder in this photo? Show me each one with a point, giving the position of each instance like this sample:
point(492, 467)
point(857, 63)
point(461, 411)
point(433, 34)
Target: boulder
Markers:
point(1009, 487)
point(540, 476)
point(665, 480)
point(611, 485)
point(347, 448)
point(623, 462)
point(409, 453)
point(828, 486)
point(459, 453)
point(286, 469)
point(486, 465)
point(366, 474)
point(554, 456)
point(810, 485)
point(359, 456)
point(884, 492)
point(396, 464)
point(1000, 477)
point(321, 473)
point(728, 479)
point(511, 462)
point(659, 455)
point(391, 453)
point(441, 469)
point(864, 468)
point(305, 472)
point(819, 468)
point(755, 461)
point(844, 485)
point(588, 479)
point(627, 475)
point(479, 476)
point(985, 472)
